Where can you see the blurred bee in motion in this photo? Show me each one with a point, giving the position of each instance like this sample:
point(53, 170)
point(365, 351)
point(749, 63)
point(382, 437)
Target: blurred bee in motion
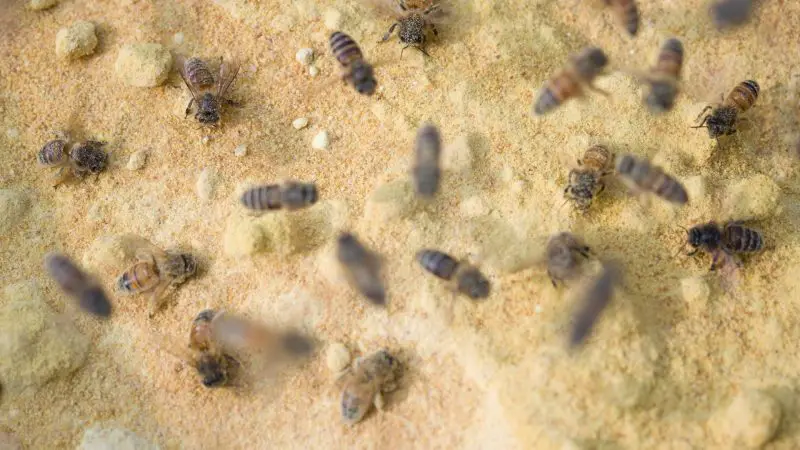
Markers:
point(412, 23)
point(238, 334)
point(731, 13)
point(563, 262)
point(78, 284)
point(586, 181)
point(155, 271)
point(641, 176)
point(368, 379)
point(592, 305)
point(663, 77)
point(731, 239)
point(464, 277)
point(355, 69)
point(82, 159)
point(723, 117)
point(583, 68)
point(627, 14)
point(291, 195)
point(362, 268)
point(209, 96)
point(426, 172)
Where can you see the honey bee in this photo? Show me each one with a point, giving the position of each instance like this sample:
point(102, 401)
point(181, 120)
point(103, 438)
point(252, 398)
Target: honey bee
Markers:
point(426, 172)
point(663, 77)
point(238, 334)
point(154, 272)
point(83, 158)
point(362, 268)
point(594, 302)
point(198, 78)
point(78, 284)
point(291, 195)
point(583, 68)
point(412, 23)
point(731, 239)
point(212, 364)
point(723, 117)
point(627, 14)
point(563, 250)
point(586, 181)
point(730, 13)
point(464, 277)
point(355, 69)
point(641, 177)
point(369, 378)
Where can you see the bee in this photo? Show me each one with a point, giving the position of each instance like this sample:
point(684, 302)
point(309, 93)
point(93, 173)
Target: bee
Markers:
point(368, 379)
point(238, 334)
point(355, 69)
point(81, 159)
point(155, 271)
point(583, 68)
point(594, 302)
point(201, 83)
point(78, 284)
point(426, 172)
point(730, 13)
point(586, 181)
point(291, 195)
point(465, 278)
point(641, 176)
point(627, 14)
point(412, 23)
point(563, 250)
point(663, 77)
point(723, 117)
point(212, 364)
point(362, 268)
point(731, 239)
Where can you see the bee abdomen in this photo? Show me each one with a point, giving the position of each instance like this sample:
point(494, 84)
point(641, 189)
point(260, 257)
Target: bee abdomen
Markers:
point(596, 157)
point(670, 58)
point(71, 279)
point(52, 153)
point(262, 198)
point(426, 172)
point(344, 48)
point(556, 91)
point(295, 195)
point(742, 239)
point(198, 73)
point(628, 14)
point(473, 283)
point(141, 277)
point(650, 178)
point(744, 95)
point(438, 263)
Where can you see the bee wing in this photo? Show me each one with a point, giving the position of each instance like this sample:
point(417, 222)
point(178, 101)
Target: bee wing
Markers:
point(192, 87)
point(228, 72)
point(382, 8)
point(439, 13)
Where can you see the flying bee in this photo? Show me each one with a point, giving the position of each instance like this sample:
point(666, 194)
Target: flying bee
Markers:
point(562, 253)
point(592, 305)
point(723, 117)
point(155, 271)
point(238, 334)
point(627, 14)
point(663, 77)
point(355, 69)
point(426, 172)
point(78, 284)
point(641, 176)
point(209, 96)
point(586, 181)
point(580, 73)
point(464, 277)
point(731, 239)
point(82, 158)
point(362, 268)
point(290, 195)
point(412, 23)
point(730, 13)
point(369, 377)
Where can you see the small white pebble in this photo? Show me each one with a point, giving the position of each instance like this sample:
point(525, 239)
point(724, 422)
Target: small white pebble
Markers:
point(537, 309)
point(205, 139)
point(300, 123)
point(321, 141)
point(337, 357)
point(305, 56)
point(206, 183)
point(137, 160)
point(313, 71)
point(240, 150)
point(177, 38)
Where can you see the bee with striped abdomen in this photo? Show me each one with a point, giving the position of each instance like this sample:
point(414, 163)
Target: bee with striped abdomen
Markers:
point(207, 92)
point(663, 77)
point(723, 117)
point(290, 195)
point(426, 172)
point(82, 159)
point(355, 69)
point(627, 14)
point(78, 284)
point(583, 68)
point(641, 176)
point(586, 181)
point(463, 277)
point(731, 239)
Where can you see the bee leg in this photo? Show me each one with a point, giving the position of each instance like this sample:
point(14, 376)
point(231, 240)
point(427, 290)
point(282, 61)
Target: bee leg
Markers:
point(714, 261)
point(421, 49)
point(597, 90)
point(188, 108)
point(585, 251)
point(435, 31)
point(708, 107)
point(233, 103)
point(552, 279)
point(389, 33)
point(693, 252)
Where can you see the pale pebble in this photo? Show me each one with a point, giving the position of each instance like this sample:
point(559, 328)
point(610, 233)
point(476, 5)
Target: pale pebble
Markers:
point(313, 71)
point(300, 123)
point(337, 357)
point(143, 64)
point(321, 141)
point(206, 184)
point(77, 40)
point(240, 150)
point(137, 160)
point(305, 56)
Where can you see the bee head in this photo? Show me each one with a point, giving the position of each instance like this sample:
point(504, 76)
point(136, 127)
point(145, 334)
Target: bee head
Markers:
point(212, 371)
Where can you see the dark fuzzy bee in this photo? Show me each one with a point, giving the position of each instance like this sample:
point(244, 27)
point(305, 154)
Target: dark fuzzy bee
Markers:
point(87, 157)
point(78, 284)
point(586, 181)
point(731, 239)
point(412, 23)
point(355, 69)
point(723, 117)
point(53, 154)
point(362, 268)
point(209, 96)
point(426, 172)
point(583, 68)
point(290, 195)
point(731, 13)
point(663, 77)
point(627, 14)
point(565, 253)
point(592, 305)
point(641, 176)
point(464, 277)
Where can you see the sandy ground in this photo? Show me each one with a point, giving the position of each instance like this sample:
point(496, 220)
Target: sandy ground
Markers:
point(493, 375)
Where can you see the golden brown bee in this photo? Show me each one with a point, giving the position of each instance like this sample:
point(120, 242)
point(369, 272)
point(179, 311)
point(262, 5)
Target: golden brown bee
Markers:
point(83, 158)
point(586, 181)
point(465, 278)
point(412, 23)
point(663, 77)
point(426, 172)
point(730, 13)
point(212, 364)
point(369, 378)
point(362, 268)
point(78, 284)
point(642, 177)
point(627, 14)
point(209, 96)
point(594, 302)
point(723, 117)
point(355, 69)
point(583, 68)
point(731, 239)
point(290, 195)
point(563, 250)
point(155, 271)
